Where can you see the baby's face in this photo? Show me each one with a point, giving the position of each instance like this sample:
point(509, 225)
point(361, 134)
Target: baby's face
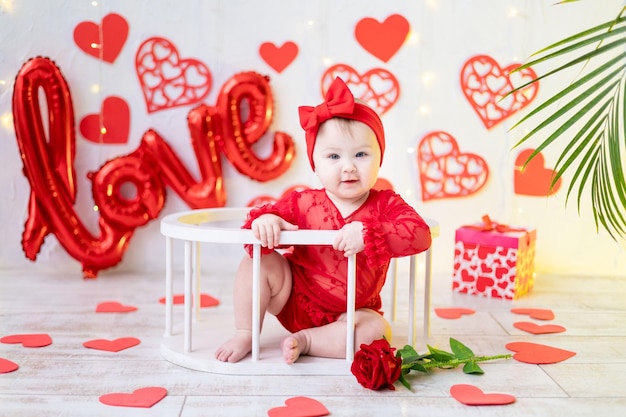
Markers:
point(347, 158)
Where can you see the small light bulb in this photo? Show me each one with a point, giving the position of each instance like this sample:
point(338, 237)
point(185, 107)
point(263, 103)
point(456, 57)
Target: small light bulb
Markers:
point(94, 45)
point(103, 130)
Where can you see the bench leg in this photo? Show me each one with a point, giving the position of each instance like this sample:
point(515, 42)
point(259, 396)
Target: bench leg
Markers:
point(256, 301)
point(188, 296)
point(169, 292)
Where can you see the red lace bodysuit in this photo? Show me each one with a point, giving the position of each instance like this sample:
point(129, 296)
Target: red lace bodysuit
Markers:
point(392, 228)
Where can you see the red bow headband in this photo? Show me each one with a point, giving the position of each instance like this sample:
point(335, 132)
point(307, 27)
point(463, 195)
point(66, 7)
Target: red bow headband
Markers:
point(339, 102)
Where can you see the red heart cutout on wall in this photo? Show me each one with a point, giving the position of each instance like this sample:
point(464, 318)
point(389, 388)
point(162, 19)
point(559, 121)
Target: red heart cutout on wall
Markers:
point(377, 87)
point(114, 30)
point(111, 125)
point(535, 313)
point(143, 397)
point(115, 345)
point(534, 179)
point(382, 39)
point(28, 340)
point(534, 328)
point(7, 366)
point(453, 312)
point(485, 85)
point(538, 354)
point(471, 395)
point(299, 407)
point(114, 307)
point(278, 58)
point(445, 172)
point(167, 80)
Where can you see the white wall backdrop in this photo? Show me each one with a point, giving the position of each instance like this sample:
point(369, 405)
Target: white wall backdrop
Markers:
point(226, 35)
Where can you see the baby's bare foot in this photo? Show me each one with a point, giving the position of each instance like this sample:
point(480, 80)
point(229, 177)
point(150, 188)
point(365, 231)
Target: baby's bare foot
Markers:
point(235, 348)
point(293, 346)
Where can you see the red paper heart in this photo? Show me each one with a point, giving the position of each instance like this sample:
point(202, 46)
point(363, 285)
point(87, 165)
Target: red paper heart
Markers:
point(535, 313)
point(168, 81)
point(538, 329)
point(445, 172)
point(278, 58)
point(29, 340)
point(114, 30)
point(534, 179)
point(143, 397)
point(205, 300)
point(268, 199)
point(384, 39)
point(112, 345)
point(114, 307)
point(7, 366)
point(453, 313)
point(538, 354)
point(377, 87)
point(114, 118)
point(471, 395)
point(299, 407)
point(485, 85)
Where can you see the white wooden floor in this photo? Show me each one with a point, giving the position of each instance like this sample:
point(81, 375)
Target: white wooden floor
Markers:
point(67, 379)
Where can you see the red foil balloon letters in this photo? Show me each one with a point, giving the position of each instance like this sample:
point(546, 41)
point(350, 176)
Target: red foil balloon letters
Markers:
point(228, 128)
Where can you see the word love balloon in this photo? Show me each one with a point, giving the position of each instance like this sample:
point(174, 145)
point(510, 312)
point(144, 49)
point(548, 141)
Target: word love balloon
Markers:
point(49, 164)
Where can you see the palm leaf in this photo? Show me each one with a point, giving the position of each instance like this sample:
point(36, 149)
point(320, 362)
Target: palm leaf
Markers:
point(587, 118)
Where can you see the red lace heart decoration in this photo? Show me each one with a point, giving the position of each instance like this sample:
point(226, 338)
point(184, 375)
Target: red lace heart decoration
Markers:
point(445, 172)
point(485, 85)
point(377, 87)
point(167, 80)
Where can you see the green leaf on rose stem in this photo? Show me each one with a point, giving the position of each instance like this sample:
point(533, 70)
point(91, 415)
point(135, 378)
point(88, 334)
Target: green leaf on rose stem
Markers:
point(472, 368)
point(404, 382)
point(410, 355)
point(460, 350)
point(439, 355)
point(418, 367)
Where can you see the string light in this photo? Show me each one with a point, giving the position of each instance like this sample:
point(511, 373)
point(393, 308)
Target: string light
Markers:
point(94, 3)
point(95, 88)
point(6, 5)
point(513, 12)
point(6, 120)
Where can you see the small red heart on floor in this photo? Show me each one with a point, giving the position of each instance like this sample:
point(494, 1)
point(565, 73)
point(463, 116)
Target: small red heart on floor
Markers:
point(7, 366)
point(299, 407)
point(538, 354)
point(29, 340)
point(471, 395)
point(535, 313)
point(112, 345)
point(453, 313)
point(205, 300)
point(143, 397)
point(538, 329)
point(114, 307)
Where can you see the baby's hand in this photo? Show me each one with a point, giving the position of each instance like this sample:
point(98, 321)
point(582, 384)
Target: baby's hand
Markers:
point(350, 239)
point(267, 229)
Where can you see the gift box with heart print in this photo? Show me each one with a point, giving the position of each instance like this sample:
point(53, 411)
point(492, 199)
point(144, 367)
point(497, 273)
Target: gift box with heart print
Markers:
point(494, 260)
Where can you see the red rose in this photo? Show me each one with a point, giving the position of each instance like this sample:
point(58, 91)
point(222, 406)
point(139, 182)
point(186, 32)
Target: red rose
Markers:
point(376, 366)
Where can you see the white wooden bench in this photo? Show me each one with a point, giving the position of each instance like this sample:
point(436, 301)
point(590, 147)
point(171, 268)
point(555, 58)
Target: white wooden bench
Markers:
point(207, 225)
